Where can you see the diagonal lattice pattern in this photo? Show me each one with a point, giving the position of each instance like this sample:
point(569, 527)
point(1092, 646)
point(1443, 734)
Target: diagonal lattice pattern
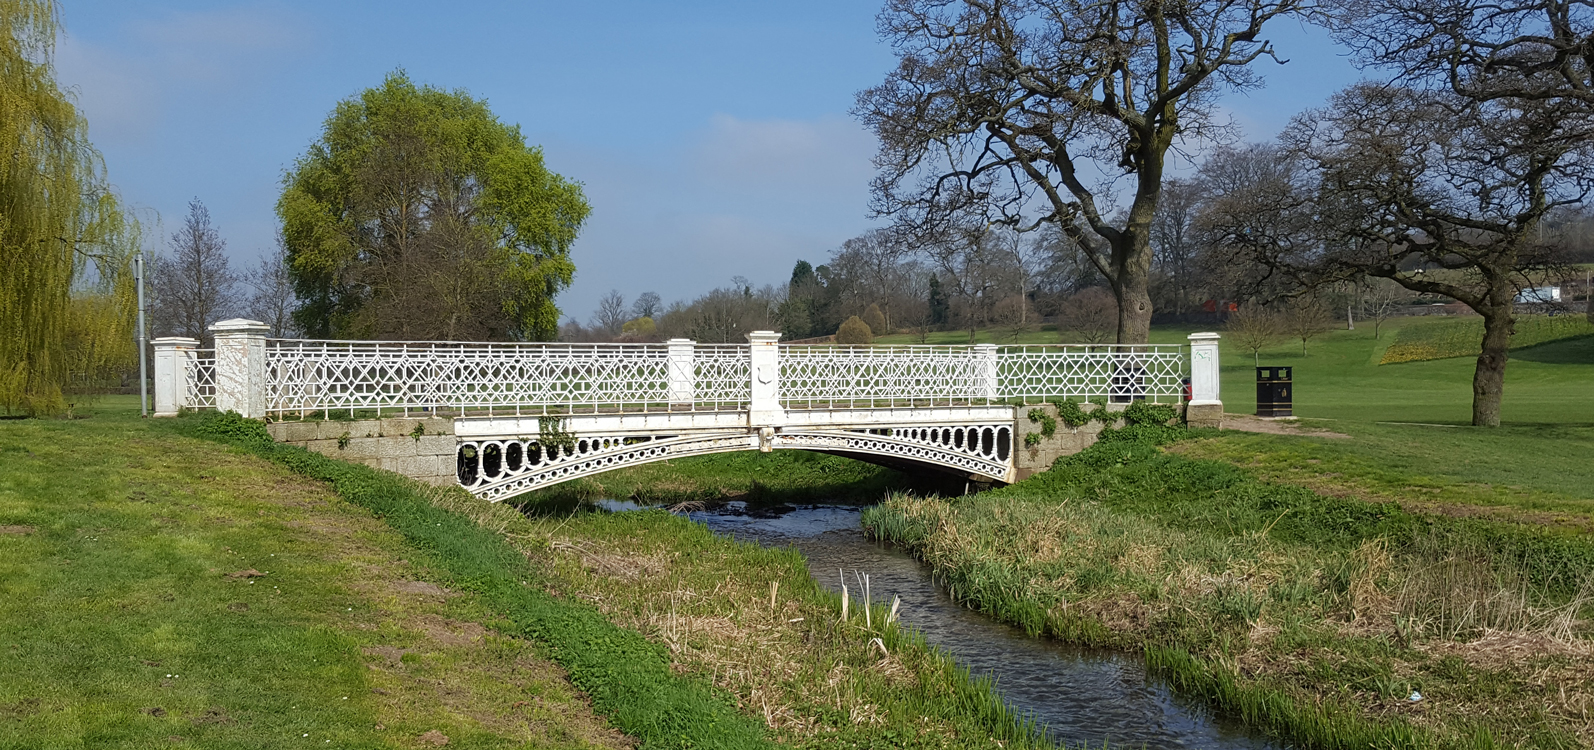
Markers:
point(1122, 373)
point(199, 380)
point(311, 376)
point(880, 375)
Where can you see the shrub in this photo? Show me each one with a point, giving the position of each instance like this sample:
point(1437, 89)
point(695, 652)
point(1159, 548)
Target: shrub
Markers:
point(875, 320)
point(854, 332)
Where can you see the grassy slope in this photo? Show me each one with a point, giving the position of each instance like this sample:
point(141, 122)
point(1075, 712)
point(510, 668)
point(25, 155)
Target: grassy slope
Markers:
point(120, 626)
point(714, 611)
point(1311, 616)
point(1114, 537)
point(1338, 379)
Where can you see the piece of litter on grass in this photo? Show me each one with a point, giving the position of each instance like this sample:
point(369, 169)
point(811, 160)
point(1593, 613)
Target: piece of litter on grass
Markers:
point(1414, 697)
point(795, 619)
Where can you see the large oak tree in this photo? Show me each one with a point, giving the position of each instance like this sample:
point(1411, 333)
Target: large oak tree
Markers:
point(418, 215)
point(1032, 112)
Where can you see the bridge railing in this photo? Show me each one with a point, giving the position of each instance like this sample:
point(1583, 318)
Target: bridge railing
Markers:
point(304, 377)
point(286, 378)
point(843, 376)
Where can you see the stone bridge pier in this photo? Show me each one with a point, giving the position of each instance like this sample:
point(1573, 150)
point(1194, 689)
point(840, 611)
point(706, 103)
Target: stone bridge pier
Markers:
point(503, 419)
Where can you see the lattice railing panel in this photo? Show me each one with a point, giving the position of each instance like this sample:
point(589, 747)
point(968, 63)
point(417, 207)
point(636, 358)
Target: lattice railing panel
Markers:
point(722, 375)
point(308, 376)
point(1122, 373)
point(199, 379)
point(880, 375)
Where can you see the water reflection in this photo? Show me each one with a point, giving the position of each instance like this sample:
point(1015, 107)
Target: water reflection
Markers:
point(1081, 696)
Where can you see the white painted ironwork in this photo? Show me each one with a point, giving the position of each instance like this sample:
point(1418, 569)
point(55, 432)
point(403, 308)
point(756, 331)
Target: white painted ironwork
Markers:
point(315, 378)
point(1119, 373)
point(199, 377)
point(305, 377)
point(497, 467)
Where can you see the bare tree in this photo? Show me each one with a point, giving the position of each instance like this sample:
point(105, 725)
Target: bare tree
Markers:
point(646, 305)
point(1174, 241)
point(193, 286)
point(271, 297)
point(611, 315)
point(1254, 328)
point(1412, 181)
point(1380, 299)
point(999, 112)
point(1088, 317)
point(976, 271)
point(1307, 318)
point(1492, 136)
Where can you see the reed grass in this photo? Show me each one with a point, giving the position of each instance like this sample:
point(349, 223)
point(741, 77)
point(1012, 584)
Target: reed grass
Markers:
point(1311, 617)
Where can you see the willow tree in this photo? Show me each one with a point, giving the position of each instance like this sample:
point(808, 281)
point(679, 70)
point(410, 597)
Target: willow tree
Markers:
point(418, 215)
point(66, 299)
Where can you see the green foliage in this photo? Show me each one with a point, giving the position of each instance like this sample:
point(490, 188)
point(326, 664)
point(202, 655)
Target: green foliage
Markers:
point(627, 678)
point(1442, 338)
point(66, 244)
point(643, 328)
point(1032, 439)
point(551, 433)
point(485, 212)
point(1047, 423)
point(876, 320)
point(1071, 413)
point(854, 332)
point(230, 427)
point(1148, 413)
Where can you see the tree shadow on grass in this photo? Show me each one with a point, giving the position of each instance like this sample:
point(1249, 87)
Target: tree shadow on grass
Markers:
point(1578, 351)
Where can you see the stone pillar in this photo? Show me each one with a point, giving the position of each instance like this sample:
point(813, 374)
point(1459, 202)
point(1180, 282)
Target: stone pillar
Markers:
point(765, 409)
point(1205, 408)
point(241, 366)
point(985, 371)
point(682, 375)
point(173, 356)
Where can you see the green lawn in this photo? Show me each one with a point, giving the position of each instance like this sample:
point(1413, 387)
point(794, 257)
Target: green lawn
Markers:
point(1339, 377)
point(132, 615)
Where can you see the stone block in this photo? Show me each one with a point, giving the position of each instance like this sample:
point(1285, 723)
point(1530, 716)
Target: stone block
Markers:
point(332, 429)
point(324, 447)
point(1204, 415)
point(436, 445)
point(293, 432)
point(395, 446)
point(418, 467)
point(357, 449)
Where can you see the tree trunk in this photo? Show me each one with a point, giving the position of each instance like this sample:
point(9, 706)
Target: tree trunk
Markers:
point(1488, 381)
point(1132, 287)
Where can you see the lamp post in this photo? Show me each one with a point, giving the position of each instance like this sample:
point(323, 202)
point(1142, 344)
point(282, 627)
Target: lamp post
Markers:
point(143, 340)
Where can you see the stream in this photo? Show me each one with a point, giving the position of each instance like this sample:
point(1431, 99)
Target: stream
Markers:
point(1082, 696)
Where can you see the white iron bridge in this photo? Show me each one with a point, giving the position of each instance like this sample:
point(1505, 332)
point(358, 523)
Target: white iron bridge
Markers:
point(531, 415)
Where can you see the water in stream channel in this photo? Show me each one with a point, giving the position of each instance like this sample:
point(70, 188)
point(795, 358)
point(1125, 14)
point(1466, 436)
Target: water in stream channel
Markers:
point(1083, 697)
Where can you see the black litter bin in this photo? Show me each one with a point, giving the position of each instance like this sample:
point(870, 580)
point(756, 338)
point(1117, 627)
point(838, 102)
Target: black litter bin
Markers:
point(1273, 386)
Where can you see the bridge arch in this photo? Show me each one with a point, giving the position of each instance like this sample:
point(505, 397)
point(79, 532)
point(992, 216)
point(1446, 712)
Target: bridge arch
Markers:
point(499, 467)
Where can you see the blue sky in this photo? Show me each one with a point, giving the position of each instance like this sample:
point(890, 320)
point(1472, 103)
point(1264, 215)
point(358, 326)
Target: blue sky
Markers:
point(713, 139)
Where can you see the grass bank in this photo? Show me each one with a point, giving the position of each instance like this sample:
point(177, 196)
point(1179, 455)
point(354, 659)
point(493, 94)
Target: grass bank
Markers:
point(1314, 617)
point(1441, 338)
point(680, 638)
point(163, 591)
